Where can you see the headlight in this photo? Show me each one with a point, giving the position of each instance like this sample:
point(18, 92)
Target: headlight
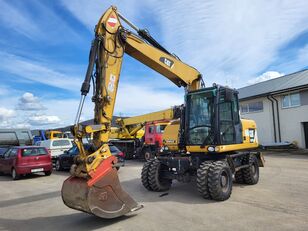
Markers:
point(211, 149)
point(216, 149)
point(166, 148)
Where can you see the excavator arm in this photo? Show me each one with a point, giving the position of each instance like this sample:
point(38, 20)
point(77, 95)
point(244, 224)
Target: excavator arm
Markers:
point(94, 186)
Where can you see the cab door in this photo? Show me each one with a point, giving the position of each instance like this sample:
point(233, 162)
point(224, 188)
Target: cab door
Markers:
point(150, 134)
point(229, 120)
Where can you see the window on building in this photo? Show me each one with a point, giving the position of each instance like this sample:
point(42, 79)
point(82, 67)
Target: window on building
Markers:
point(252, 107)
point(290, 100)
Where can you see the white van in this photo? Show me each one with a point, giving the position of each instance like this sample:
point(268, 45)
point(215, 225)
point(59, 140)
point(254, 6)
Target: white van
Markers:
point(56, 146)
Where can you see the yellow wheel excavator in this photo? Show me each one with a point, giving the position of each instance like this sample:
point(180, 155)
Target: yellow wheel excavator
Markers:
point(209, 142)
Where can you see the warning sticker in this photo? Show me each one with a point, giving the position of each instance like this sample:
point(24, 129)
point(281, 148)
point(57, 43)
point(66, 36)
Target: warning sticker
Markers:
point(111, 83)
point(112, 21)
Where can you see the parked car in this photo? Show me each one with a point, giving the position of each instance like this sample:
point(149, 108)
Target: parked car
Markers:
point(3, 150)
point(56, 146)
point(24, 160)
point(65, 160)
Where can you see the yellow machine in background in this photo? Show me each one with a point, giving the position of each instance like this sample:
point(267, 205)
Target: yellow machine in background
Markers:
point(52, 134)
point(213, 144)
point(141, 136)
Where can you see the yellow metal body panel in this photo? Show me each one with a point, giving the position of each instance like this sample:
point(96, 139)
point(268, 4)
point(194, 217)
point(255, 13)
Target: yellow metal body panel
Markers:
point(250, 139)
point(159, 115)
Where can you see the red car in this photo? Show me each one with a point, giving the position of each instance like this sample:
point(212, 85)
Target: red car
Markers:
point(24, 160)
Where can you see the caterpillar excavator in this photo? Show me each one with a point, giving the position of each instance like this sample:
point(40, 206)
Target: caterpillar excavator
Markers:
point(209, 142)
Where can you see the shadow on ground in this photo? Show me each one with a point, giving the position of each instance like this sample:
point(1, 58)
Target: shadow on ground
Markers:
point(29, 199)
point(75, 222)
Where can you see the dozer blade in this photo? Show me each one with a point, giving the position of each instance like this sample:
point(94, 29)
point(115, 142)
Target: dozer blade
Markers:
point(101, 196)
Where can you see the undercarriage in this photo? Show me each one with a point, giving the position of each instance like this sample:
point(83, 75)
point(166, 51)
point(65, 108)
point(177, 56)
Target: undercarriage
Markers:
point(213, 173)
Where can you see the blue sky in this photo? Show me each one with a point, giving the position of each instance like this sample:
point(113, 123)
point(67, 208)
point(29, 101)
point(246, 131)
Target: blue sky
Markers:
point(44, 49)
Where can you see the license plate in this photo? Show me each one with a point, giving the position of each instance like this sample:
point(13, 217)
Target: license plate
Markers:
point(37, 170)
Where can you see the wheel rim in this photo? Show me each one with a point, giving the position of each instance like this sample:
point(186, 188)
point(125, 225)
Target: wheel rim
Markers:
point(147, 155)
point(14, 173)
point(224, 181)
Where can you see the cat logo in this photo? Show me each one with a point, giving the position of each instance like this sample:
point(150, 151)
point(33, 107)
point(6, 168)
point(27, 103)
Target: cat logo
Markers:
point(166, 61)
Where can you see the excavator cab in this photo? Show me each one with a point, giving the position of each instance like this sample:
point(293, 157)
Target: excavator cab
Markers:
point(212, 117)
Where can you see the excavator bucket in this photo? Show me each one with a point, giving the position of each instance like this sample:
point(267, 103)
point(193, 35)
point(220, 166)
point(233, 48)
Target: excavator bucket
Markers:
point(101, 196)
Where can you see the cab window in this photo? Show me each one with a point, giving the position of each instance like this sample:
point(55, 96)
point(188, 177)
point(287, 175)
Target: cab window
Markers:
point(151, 129)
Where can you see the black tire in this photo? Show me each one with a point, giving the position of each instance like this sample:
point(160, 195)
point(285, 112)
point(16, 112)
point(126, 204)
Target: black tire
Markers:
point(238, 177)
point(220, 181)
point(145, 175)
point(157, 183)
point(202, 179)
point(15, 175)
point(47, 173)
point(118, 168)
point(58, 165)
point(251, 174)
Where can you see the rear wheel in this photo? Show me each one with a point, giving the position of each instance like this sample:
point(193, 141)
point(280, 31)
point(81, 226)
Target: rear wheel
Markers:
point(15, 175)
point(251, 174)
point(239, 177)
point(58, 165)
point(202, 179)
point(220, 181)
point(156, 181)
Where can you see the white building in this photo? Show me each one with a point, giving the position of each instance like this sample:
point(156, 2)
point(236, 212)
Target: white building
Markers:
point(279, 107)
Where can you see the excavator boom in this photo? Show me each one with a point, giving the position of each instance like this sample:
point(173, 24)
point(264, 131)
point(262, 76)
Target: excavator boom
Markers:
point(94, 185)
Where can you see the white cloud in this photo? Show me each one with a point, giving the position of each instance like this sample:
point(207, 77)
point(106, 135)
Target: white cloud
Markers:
point(35, 26)
point(89, 12)
point(38, 72)
point(39, 120)
point(228, 41)
point(141, 99)
point(6, 113)
point(18, 21)
point(28, 102)
point(265, 76)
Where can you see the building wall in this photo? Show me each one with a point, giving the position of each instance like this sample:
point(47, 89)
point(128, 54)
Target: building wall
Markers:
point(263, 120)
point(291, 120)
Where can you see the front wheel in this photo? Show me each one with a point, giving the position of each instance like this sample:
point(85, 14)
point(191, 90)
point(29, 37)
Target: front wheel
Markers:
point(220, 181)
point(156, 181)
point(15, 175)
